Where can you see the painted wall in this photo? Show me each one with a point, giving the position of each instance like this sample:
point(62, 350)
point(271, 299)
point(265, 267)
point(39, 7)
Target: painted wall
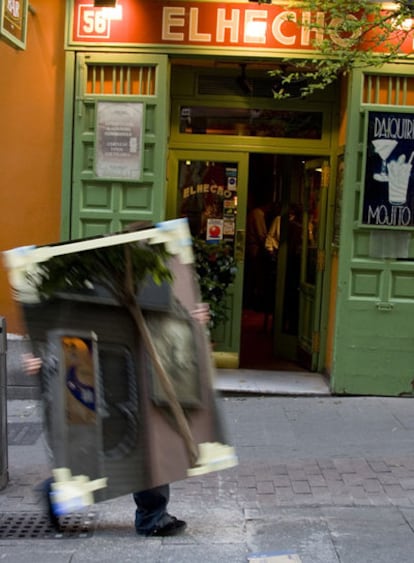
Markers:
point(31, 117)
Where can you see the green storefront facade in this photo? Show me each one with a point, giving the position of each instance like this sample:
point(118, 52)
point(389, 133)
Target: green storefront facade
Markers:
point(169, 112)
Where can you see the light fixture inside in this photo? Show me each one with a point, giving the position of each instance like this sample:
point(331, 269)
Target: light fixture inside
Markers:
point(244, 84)
point(104, 3)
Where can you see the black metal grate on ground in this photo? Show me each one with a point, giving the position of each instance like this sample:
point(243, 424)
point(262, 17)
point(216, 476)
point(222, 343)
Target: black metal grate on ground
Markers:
point(23, 433)
point(34, 525)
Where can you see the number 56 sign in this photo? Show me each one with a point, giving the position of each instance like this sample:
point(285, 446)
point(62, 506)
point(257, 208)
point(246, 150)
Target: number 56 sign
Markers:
point(95, 23)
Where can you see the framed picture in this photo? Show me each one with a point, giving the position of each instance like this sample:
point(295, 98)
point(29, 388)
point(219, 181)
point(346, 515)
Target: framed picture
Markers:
point(13, 22)
point(388, 196)
point(118, 152)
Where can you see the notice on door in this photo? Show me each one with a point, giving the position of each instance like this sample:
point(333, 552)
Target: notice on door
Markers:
point(118, 150)
point(389, 182)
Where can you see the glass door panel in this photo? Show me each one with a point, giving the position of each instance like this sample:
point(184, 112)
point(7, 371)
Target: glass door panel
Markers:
point(207, 196)
point(209, 188)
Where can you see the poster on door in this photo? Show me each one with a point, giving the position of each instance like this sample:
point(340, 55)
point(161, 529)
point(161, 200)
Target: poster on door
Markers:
point(118, 151)
point(388, 197)
point(207, 196)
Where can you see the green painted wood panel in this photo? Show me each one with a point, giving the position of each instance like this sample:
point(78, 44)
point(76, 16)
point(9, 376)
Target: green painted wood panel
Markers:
point(373, 341)
point(101, 205)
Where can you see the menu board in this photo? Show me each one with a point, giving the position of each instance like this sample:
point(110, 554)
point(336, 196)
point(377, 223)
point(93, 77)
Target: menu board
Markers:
point(388, 198)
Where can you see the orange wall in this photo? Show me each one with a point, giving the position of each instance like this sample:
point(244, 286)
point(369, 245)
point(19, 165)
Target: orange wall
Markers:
point(31, 132)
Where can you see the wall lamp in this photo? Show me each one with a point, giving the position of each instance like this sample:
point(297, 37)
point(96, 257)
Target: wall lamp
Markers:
point(104, 3)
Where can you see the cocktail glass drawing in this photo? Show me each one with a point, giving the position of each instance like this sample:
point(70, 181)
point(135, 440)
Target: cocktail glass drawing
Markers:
point(384, 148)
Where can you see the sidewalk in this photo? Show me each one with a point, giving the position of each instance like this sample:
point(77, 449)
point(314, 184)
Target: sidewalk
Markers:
point(325, 479)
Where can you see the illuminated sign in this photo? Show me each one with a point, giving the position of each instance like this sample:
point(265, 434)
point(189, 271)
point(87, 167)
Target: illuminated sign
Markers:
point(203, 25)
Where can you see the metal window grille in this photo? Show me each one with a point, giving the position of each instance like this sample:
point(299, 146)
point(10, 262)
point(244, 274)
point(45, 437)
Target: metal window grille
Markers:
point(393, 90)
point(128, 80)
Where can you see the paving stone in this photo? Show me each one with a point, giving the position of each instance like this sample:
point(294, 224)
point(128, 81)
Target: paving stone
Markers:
point(394, 491)
point(265, 487)
point(301, 487)
point(316, 481)
point(247, 481)
point(407, 483)
point(358, 493)
point(282, 481)
point(331, 475)
point(352, 478)
point(372, 485)
point(378, 466)
point(387, 478)
point(297, 475)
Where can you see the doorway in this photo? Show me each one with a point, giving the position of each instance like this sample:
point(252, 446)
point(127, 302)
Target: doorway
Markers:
point(282, 279)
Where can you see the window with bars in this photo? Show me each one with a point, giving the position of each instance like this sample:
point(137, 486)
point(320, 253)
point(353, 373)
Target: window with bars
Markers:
point(128, 80)
point(393, 90)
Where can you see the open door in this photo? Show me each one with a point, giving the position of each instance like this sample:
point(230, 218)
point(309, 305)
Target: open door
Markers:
point(300, 261)
point(312, 261)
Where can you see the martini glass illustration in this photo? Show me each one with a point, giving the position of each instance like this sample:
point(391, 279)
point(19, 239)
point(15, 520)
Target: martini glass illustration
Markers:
point(384, 148)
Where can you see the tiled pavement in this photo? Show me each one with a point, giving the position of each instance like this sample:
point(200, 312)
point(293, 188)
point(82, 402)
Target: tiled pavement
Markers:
point(307, 481)
point(328, 479)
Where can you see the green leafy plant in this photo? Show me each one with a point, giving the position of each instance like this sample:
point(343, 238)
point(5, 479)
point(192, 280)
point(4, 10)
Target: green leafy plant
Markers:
point(119, 269)
point(216, 269)
point(349, 34)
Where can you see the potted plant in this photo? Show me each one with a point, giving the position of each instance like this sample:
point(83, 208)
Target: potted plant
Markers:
point(215, 268)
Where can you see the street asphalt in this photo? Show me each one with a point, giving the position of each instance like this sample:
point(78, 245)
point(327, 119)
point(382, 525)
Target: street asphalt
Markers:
point(320, 480)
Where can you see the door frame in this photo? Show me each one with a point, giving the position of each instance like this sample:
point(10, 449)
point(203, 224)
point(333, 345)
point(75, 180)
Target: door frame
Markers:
point(228, 356)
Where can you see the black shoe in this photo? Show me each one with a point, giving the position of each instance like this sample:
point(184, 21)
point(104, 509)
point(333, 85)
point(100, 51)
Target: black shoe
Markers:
point(171, 528)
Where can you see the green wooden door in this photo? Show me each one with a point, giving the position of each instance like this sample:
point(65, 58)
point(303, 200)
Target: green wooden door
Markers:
point(312, 261)
point(373, 340)
point(210, 188)
point(300, 270)
point(120, 142)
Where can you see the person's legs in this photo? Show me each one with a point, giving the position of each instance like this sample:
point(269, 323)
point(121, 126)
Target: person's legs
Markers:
point(151, 516)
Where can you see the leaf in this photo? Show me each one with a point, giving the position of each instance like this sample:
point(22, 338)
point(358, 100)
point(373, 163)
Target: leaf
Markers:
point(352, 33)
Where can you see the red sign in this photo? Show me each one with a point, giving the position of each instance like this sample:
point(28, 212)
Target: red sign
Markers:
point(202, 25)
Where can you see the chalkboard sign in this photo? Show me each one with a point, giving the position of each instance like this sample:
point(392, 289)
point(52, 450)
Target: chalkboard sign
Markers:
point(388, 199)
